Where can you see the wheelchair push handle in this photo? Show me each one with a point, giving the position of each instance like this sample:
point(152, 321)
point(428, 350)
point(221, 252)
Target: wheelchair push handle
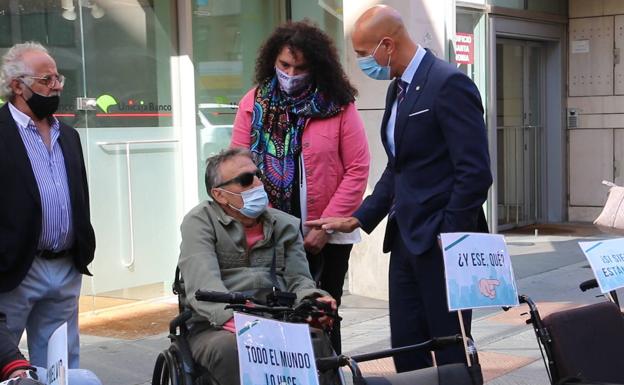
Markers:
point(217, 296)
point(593, 283)
point(589, 284)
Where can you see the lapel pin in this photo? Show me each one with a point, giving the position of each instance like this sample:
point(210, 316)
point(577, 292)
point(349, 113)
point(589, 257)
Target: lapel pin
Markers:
point(417, 88)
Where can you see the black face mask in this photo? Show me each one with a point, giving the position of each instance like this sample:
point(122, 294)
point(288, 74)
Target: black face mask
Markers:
point(42, 106)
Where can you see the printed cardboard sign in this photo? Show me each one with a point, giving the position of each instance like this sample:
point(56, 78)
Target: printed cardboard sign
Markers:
point(57, 357)
point(274, 353)
point(607, 261)
point(478, 271)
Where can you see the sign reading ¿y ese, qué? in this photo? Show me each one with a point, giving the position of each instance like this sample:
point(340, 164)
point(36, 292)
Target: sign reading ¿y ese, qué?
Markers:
point(478, 271)
point(274, 353)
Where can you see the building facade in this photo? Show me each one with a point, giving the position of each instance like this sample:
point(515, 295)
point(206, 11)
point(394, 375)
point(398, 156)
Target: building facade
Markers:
point(153, 85)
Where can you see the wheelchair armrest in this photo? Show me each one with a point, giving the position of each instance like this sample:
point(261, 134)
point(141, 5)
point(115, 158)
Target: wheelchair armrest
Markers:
point(435, 343)
point(180, 321)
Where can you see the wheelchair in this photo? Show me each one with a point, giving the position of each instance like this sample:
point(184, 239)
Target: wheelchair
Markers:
point(583, 345)
point(449, 374)
point(175, 365)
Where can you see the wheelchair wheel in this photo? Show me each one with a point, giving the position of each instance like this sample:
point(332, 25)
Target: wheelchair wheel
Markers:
point(170, 369)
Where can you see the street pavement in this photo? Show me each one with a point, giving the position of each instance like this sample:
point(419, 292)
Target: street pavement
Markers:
point(548, 268)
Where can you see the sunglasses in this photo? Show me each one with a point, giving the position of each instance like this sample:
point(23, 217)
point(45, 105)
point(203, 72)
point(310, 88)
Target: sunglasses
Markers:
point(244, 180)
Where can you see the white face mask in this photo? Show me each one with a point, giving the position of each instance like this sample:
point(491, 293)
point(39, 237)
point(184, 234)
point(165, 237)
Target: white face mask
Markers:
point(291, 84)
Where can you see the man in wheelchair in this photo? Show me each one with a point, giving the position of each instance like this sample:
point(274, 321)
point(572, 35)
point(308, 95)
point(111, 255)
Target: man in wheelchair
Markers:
point(234, 242)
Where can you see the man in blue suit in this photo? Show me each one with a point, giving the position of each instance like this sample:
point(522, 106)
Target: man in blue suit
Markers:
point(436, 180)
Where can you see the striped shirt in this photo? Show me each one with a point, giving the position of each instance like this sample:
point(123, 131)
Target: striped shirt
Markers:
point(48, 165)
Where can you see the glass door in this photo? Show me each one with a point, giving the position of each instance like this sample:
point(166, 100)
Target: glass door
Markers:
point(116, 57)
point(131, 143)
point(519, 92)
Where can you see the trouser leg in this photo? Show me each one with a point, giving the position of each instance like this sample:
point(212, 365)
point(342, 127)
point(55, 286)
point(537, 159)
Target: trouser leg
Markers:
point(335, 265)
point(440, 322)
point(408, 322)
point(216, 350)
point(59, 304)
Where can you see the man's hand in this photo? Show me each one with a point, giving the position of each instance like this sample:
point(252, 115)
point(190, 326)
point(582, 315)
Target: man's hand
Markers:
point(325, 322)
point(344, 225)
point(315, 240)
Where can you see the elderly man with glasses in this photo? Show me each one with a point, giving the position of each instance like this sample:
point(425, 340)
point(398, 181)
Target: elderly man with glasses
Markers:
point(234, 242)
point(46, 237)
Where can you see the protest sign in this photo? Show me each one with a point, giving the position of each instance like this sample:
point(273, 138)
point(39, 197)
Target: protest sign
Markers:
point(478, 271)
point(57, 357)
point(274, 353)
point(607, 261)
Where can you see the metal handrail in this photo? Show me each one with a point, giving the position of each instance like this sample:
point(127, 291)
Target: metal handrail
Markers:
point(127, 143)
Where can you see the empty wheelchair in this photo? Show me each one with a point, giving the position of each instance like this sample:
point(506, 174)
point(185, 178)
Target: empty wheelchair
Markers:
point(583, 345)
point(449, 374)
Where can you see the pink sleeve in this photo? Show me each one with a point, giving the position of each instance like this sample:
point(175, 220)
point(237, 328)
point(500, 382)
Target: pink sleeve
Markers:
point(229, 325)
point(241, 131)
point(355, 158)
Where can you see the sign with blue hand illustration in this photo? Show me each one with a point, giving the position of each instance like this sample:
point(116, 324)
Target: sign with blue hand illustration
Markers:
point(478, 271)
point(607, 261)
point(274, 353)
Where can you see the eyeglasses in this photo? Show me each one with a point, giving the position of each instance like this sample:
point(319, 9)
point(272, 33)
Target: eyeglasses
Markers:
point(244, 180)
point(48, 80)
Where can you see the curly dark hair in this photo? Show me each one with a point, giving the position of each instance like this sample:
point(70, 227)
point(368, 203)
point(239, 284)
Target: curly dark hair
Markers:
point(319, 52)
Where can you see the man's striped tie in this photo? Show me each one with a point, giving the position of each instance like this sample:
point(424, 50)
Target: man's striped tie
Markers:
point(401, 90)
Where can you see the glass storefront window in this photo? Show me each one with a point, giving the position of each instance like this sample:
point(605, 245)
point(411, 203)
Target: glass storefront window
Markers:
point(327, 14)
point(518, 4)
point(226, 38)
point(470, 46)
point(117, 52)
point(470, 55)
point(559, 7)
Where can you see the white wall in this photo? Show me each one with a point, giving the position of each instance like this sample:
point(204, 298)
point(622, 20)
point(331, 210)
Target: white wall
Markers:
point(596, 91)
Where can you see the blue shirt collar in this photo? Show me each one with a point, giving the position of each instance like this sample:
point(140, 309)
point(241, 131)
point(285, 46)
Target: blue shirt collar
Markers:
point(23, 121)
point(412, 67)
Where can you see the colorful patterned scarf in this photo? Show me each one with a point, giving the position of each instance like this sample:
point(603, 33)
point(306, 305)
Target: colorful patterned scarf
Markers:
point(276, 130)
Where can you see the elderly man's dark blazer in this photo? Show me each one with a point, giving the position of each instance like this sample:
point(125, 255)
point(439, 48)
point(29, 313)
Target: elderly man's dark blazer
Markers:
point(20, 203)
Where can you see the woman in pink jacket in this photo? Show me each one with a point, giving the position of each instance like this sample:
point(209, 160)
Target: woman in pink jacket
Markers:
point(309, 142)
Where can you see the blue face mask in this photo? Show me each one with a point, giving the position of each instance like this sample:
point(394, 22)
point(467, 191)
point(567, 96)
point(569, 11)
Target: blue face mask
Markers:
point(255, 201)
point(370, 67)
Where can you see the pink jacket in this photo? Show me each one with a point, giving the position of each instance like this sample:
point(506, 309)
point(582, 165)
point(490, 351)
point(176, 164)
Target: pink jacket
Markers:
point(335, 154)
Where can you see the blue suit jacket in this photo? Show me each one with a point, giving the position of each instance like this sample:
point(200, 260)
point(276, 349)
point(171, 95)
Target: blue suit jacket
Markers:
point(440, 176)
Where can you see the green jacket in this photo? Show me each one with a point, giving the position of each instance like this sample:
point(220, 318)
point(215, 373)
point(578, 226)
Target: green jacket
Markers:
point(214, 256)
